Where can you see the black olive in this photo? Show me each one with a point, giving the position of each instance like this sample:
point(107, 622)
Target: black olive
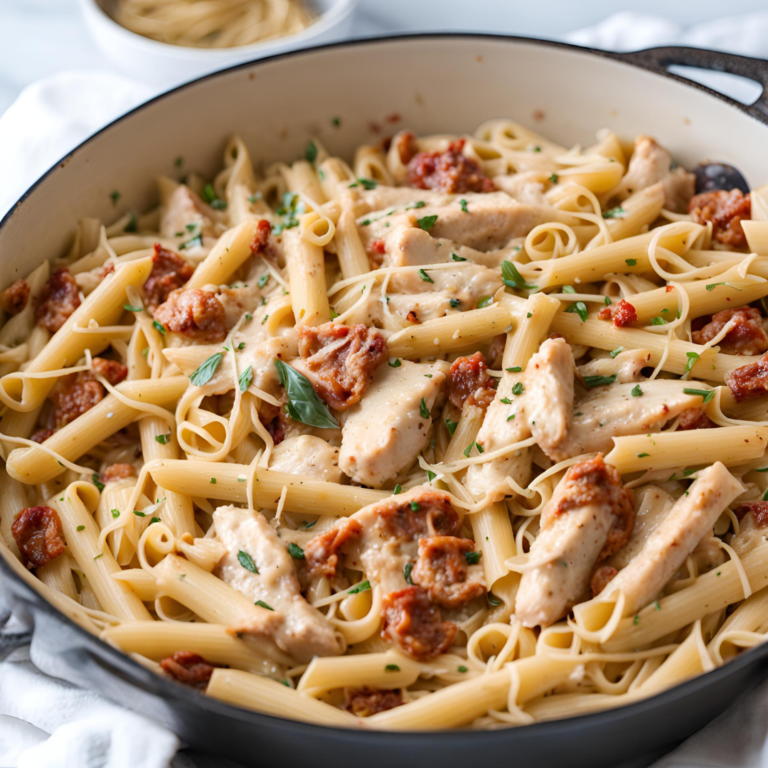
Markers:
point(711, 177)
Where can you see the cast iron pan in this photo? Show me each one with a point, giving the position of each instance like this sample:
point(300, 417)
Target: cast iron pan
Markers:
point(253, 739)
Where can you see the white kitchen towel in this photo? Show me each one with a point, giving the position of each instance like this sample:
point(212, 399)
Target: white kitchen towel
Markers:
point(46, 723)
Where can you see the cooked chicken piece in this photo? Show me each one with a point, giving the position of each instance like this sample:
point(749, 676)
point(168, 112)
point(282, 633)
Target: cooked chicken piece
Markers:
point(603, 413)
point(548, 382)
point(489, 223)
point(626, 365)
point(408, 544)
point(505, 423)
point(467, 284)
point(668, 545)
point(259, 356)
point(387, 430)
point(652, 505)
point(303, 632)
point(308, 455)
point(186, 213)
point(589, 515)
point(649, 165)
point(613, 411)
point(412, 246)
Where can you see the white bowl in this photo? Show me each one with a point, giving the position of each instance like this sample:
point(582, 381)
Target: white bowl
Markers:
point(166, 65)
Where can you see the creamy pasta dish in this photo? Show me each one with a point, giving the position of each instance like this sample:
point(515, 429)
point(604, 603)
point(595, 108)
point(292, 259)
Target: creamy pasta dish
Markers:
point(469, 432)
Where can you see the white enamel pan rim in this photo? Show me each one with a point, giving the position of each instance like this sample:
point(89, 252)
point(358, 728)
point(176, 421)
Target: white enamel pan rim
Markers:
point(148, 681)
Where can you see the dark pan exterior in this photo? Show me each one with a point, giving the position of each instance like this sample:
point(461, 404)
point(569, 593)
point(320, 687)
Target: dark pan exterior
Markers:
point(602, 739)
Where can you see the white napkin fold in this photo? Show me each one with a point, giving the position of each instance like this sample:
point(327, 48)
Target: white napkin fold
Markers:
point(49, 723)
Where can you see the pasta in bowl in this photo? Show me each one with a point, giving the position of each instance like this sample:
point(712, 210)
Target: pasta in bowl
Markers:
point(406, 444)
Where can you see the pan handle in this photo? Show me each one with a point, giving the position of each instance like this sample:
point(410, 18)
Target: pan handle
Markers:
point(658, 59)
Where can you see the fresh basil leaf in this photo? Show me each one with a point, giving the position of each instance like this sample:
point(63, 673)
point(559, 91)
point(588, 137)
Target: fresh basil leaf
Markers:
point(206, 371)
point(513, 279)
point(246, 377)
point(304, 405)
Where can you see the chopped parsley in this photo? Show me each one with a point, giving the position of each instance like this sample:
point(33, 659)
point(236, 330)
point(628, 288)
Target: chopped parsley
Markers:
point(396, 363)
point(630, 262)
point(295, 551)
point(642, 455)
point(115, 197)
point(658, 321)
point(518, 389)
point(599, 381)
point(97, 482)
point(414, 506)
point(133, 223)
point(255, 197)
point(451, 426)
point(692, 358)
point(423, 410)
point(705, 394)
point(290, 209)
point(514, 369)
point(580, 308)
point(247, 562)
point(363, 586)
point(158, 327)
point(407, 572)
point(163, 439)
point(455, 302)
point(472, 558)
point(263, 280)
point(131, 308)
point(468, 449)
point(463, 204)
point(426, 222)
point(424, 276)
point(462, 669)
point(614, 213)
point(636, 391)
point(485, 302)
point(262, 604)
point(569, 289)
point(210, 197)
point(392, 668)
point(616, 352)
point(80, 528)
point(493, 600)
point(310, 153)
point(398, 489)
point(115, 513)
point(553, 178)
point(455, 257)
point(213, 481)
point(365, 183)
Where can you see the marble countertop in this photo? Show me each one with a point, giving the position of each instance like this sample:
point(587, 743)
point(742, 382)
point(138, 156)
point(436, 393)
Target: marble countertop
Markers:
point(41, 37)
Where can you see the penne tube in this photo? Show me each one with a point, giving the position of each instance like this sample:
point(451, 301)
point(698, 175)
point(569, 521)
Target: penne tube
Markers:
point(603, 335)
point(229, 482)
point(264, 695)
point(158, 640)
point(667, 450)
point(33, 465)
point(230, 252)
point(105, 307)
point(75, 507)
point(450, 332)
point(306, 274)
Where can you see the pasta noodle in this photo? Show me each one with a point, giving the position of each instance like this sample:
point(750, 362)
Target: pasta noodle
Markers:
point(412, 443)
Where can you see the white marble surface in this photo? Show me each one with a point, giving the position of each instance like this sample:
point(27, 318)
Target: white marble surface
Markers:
point(41, 37)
